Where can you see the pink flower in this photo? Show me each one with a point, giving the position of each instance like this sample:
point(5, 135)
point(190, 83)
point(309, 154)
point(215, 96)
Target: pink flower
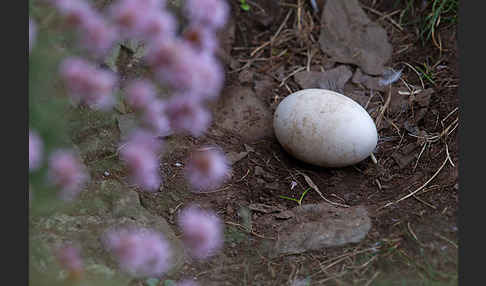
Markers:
point(187, 282)
point(201, 38)
point(97, 36)
point(140, 93)
point(202, 231)
point(185, 68)
point(139, 251)
point(207, 169)
point(186, 114)
point(32, 33)
point(128, 15)
point(140, 153)
point(159, 24)
point(35, 150)
point(173, 63)
point(210, 74)
point(88, 84)
point(75, 13)
point(67, 173)
point(69, 257)
point(155, 118)
point(211, 13)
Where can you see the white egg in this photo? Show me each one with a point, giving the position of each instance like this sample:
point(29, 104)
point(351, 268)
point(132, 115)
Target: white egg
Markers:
point(324, 128)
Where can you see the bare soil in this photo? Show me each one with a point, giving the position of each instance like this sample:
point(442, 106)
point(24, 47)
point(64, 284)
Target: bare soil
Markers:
point(411, 193)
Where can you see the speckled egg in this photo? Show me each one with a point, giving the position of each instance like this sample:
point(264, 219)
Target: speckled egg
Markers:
point(324, 128)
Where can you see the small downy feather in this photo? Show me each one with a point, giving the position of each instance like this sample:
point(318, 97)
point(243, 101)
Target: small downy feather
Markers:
point(314, 6)
point(390, 76)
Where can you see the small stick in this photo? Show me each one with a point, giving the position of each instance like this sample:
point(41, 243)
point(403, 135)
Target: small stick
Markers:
point(384, 16)
point(417, 190)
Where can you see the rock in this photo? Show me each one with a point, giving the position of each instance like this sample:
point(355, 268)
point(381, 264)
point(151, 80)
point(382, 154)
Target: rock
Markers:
point(242, 112)
point(317, 226)
point(106, 204)
point(370, 82)
point(349, 36)
point(126, 123)
point(333, 79)
point(234, 157)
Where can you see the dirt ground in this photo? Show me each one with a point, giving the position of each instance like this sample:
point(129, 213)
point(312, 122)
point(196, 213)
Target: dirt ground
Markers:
point(411, 193)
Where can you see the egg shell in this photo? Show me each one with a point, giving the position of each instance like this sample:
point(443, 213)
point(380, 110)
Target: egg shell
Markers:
point(324, 128)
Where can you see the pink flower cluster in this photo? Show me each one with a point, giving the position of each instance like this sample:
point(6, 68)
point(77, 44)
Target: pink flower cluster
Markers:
point(88, 84)
point(183, 63)
point(202, 231)
point(139, 251)
point(96, 34)
point(67, 173)
point(142, 19)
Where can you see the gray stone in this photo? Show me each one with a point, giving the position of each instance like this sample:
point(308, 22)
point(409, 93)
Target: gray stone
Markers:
point(242, 112)
point(126, 123)
point(317, 226)
point(333, 79)
point(349, 36)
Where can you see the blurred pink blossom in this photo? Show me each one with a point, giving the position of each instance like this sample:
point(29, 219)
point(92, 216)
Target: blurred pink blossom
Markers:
point(67, 172)
point(35, 150)
point(75, 13)
point(32, 33)
point(186, 114)
point(154, 116)
point(211, 13)
point(69, 257)
point(97, 36)
point(187, 282)
point(201, 38)
point(202, 231)
point(139, 251)
point(87, 84)
point(159, 24)
point(207, 168)
point(173, 63)
point(140, 93)
point(140, 153)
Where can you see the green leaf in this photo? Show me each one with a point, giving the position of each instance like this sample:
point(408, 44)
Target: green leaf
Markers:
point(245, 7)
point(152, 281)
point(169, 283)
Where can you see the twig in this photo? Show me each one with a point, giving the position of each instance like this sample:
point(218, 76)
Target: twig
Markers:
point(384, 16)
point(247, 230)
point(417, 190)
point(315, 188)
point(372, 278)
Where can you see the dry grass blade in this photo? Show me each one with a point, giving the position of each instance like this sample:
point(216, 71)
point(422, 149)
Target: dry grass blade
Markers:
point(372, 278)
point(386, 16)
point(382, 111)
point(420, 188)
point(418, 74)
point(244, 228)
point(315, 188)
